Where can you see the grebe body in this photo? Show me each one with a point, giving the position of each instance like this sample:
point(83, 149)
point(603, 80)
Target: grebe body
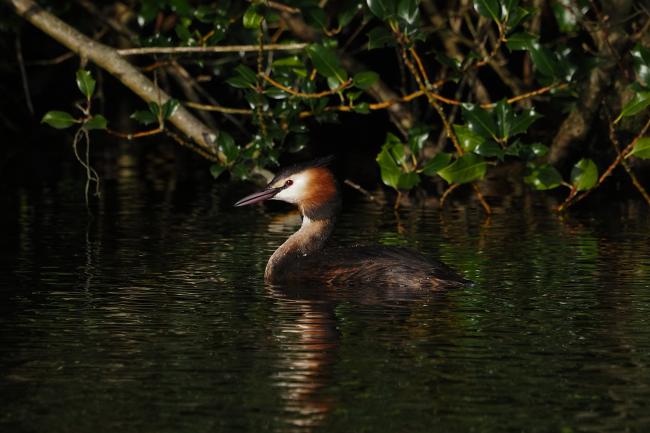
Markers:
point(305, 257)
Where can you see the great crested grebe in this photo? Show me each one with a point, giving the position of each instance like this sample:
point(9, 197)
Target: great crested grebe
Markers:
point(305, 258)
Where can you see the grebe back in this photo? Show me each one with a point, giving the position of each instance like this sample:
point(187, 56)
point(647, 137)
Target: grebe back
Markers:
point(305, 256)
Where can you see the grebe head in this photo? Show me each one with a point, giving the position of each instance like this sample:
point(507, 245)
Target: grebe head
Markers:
point(310, 186)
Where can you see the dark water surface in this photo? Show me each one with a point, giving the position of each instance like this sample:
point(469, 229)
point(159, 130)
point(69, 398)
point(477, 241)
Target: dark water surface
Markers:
point(153, 317)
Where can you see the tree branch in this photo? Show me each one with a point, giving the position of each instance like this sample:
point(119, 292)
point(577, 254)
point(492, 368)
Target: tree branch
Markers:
point(108, 59)
point(210, 49)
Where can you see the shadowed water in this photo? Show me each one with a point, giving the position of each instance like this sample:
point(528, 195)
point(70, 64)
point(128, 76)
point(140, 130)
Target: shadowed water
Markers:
point(153, 316)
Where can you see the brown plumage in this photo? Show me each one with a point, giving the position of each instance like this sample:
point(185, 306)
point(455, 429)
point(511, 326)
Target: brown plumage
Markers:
point(304, 257)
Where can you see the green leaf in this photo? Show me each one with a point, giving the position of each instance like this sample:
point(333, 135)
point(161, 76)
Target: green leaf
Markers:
point(417, 138)
point(288, 62)
point(641, 60)
point(505, 118)
point(488, 9)
point(169, 108)
point(292, 64)
point(154, 108)
point(226, 144)
point(489, 149)
point(408, 10)
point(539, 149)
point(86, 83)
point(641, 149)
point(396, 148)
point(522, 121)
point(246, 73)
point(467, 168)
point(180, 7)
point(437, 163)
point(382, 9)
point(584, 174)
point(148, 12)
point(408, 180)
point(389, 170)
point(445, 60)
point(545, 61)
point(566, 14)
point(297, 142)
point(508, 7)
point(380, 37)
point(239, 171)
point(252, 18)
point(479, 120)
point(275, 93)
point(58, 119)
point(327, 62)
point(316, 17)
point(520, 41)
point(347, 12)
point(527, 152)
point(245, 78)
point(353, 95)
point(544, 177)
point(363, 80)
point(637, 104)
point(96, 122)
point(468, 139)
point(239, 83)
point(516, 16)
point(183, 31)
point(144, 117)
point(395, 172)
point(362, 108)
point(216, 170)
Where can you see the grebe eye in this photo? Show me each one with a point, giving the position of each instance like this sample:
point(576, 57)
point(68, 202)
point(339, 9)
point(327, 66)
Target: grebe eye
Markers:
point(289, 182)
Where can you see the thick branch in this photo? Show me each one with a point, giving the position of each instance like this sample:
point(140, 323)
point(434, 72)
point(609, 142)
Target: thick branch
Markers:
point(210, 49)
point(610, 42)
point(108, 59)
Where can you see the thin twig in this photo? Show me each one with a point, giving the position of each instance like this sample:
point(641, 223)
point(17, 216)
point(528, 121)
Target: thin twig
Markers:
point(218, 108)
point(424, 86)
point(530, 94)
point(567, 201)
point(450, 132)
point(488, 57)
point(304, 114)
point(53, 61)
point(398, 200)
point(135, 135)
point(448, 191)
point(626, 166)
point(481, 199)
point(199, 150)
point(293, 92)
point(91, 174)
point(23, 75)
point(635, 181)
point(182, 75)
point(609, 170)
point(260, 73)
point(282, 7)
point(209, 49)
point(361, 189)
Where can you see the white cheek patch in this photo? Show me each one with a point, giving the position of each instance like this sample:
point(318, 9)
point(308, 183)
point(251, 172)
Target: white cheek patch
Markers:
point(297, 191)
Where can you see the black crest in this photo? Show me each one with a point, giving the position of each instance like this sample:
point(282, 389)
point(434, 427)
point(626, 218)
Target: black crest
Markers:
point(297, 168)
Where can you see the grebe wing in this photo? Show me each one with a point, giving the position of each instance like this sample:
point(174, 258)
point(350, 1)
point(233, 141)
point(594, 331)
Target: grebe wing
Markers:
point(377, 265)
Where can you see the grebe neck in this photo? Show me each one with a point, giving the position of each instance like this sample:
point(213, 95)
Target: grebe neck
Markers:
point(310, 238)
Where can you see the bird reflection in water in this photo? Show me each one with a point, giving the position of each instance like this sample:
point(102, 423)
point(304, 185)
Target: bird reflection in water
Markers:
point(309, 341)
